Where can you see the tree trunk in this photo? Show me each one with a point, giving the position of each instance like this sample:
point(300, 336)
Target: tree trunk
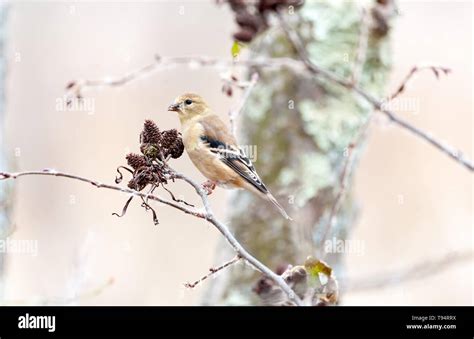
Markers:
point(302, 127)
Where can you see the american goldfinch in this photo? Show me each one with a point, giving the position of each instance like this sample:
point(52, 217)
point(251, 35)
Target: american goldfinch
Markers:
point(214, 150)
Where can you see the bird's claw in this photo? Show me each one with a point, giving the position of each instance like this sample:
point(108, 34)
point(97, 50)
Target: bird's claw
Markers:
point(209, 186)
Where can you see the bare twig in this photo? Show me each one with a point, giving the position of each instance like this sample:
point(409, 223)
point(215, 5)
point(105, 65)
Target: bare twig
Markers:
point(76, 87)
point(213, 271)
point(230, 80)
point(418, 271)
point(361, 52)
point(207, 214)
point(435, 69)
point(376, 103)
point(344, 177)
point(237, 247)
point(233, 114)
point(50, 172)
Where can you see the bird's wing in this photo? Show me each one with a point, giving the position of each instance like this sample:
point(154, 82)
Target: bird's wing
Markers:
point(220, 141)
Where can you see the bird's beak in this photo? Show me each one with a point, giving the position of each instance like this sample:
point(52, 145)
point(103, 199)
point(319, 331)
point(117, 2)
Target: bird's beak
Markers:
point(173, 107)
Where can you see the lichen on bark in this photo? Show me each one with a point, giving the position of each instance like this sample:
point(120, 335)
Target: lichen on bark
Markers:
point(301, 126)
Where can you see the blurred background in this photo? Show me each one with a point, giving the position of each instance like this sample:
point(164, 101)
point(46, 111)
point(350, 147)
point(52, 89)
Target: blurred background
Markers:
point(415, 203)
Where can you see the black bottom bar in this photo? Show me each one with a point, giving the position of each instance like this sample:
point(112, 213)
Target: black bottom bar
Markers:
point(443, 322)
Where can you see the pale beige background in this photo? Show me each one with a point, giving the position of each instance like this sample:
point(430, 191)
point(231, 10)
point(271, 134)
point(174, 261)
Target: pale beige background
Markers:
point(81, 245)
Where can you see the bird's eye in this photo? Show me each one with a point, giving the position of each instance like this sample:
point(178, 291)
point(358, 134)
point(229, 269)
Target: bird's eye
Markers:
point(188, 101)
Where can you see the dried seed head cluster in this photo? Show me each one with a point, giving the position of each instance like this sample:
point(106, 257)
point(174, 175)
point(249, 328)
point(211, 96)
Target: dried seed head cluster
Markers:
point(135, 160)
point(313, 282)
point(150, 134)
point(172, 144)
point(150, 168)
point(160, 145)
point(251, 17)
point(382, 12)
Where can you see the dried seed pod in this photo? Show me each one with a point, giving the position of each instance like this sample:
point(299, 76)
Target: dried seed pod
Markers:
point(147, 172)
point(227, 89)
point(295, 3)
point(263, 286)
point(133, 185)
point(248, 21)
point(172, 144)
point(70, 85)
point(272, 5)
point(151, 133)
point(135, 160)
point(251, 16)
point(244, 35)
point(237, 4)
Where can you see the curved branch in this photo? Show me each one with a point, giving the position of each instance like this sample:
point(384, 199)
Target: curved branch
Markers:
point(76, 87)
point(435, 69)
point(207, 215)
point(348, 162)
point(50, 172)
point(213, 271)
point(297, 43)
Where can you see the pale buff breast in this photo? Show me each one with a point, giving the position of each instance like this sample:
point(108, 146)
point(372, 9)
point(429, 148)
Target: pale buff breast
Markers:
point(206, 161)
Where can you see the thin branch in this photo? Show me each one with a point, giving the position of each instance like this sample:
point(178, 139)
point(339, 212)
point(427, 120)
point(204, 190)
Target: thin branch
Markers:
point(238, 247)
point(230, 80)
point(435, 69)
point(361, 53)
point(207, 215)
point(420, 270)
point(213, 271)
point(453, 153)
point(344, 177)
point(376, 103)
point(50, 172)
point(76, 87)
point(233, 114)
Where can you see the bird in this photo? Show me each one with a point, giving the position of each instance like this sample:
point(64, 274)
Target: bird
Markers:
point(214, 150)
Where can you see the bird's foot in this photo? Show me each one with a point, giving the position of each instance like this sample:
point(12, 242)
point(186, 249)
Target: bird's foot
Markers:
point(209, 186)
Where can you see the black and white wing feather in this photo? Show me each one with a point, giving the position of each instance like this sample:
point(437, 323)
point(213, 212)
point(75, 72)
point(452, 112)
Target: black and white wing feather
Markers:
point(221, 142)
point(236, 159)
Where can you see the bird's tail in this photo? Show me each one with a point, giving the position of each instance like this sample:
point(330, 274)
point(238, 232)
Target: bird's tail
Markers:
point(271, 198)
